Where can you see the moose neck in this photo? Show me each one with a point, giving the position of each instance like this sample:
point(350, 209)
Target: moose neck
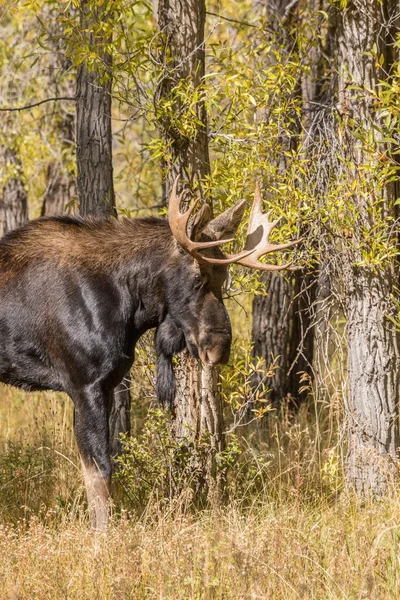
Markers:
point(146, 269)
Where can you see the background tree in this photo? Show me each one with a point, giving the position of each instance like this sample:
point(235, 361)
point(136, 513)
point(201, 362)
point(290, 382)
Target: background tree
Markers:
point(13, 194)
point(93, 115)
point(13, 197)
point(282, 332)
point(61, 177)
point(94, 154)
point(267, 90)
point(372, 413)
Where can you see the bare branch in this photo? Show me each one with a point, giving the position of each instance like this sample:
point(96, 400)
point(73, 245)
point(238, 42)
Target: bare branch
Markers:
point(231, 20)
point(28, 106)
point(289, 8)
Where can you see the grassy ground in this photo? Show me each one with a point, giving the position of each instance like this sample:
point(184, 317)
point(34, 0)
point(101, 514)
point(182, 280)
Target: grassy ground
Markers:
point(288, 551)
point(289, 530)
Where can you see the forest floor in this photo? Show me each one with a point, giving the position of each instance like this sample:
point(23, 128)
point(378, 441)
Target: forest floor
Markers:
point(289, 545)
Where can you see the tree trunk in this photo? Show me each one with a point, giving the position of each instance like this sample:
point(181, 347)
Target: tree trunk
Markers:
point(94, 162)
point(372, 412)
point(93, 114)
point(270, 333)
point(197, 405)
point(282, 334)
point(60, 191)
point(374, 383)
point(318, 120)
point(13, 197)
point(183, 55)
point(61, 180)
point(281, 330)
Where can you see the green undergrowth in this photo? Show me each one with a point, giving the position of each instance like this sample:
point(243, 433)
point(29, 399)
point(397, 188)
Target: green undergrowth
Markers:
point(273, 459)
point(284, 528)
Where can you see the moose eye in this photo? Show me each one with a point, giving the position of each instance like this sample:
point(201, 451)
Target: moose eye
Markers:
point(200, 279)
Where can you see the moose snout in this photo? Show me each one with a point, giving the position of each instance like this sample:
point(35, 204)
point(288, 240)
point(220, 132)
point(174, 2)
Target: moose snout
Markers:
point(214, 349)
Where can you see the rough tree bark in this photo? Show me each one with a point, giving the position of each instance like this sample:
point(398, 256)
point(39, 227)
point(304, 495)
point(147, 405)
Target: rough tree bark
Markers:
point(94, 161)
point(61, 182)
point(318, 117)
point(60, 190)
point(281, 329)
point(197, 406)
point(93, 114)
point(13, 197)
point(372, 410)
point(374, 382)
point(182, 27)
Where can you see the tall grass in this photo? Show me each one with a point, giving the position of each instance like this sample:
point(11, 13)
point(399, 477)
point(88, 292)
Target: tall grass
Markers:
point(287, 530)
point(280, 551)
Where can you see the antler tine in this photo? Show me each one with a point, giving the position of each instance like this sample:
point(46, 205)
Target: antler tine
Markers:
point(178, 223)
point(253, 263)
point(249, 258)
point(260, 226)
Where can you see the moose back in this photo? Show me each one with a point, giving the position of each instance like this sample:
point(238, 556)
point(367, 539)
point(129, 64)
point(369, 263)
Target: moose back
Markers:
point(76, 295)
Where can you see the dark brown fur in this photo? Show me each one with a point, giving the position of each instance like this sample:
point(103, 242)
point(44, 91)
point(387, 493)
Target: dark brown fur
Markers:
point(97, 244)
point(76, 295)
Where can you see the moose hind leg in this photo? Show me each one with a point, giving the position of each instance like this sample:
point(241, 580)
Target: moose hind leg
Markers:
point(91, 432)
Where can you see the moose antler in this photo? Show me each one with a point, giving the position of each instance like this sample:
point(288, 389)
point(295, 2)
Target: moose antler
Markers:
point(257, 239)
point(178, 223)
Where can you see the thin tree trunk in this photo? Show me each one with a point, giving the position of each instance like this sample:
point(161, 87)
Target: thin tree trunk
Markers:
point(373, 344)
point(60, 191)
point(61, 180)
point(198, 404)
point(13, 197)
point(282, 333)
point(270, 333)
point(94, 162)
point(318, 102)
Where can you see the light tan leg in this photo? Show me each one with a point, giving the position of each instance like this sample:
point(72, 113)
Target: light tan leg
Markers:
point(98, 496)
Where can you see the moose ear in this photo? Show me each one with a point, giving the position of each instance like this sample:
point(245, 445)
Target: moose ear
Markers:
point(199, 221)
point(226, 224)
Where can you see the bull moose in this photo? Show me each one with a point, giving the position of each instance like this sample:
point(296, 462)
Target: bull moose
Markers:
point(76, 294)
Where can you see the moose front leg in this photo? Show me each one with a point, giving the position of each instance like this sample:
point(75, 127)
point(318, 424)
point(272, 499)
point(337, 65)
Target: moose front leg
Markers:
point(91, 431)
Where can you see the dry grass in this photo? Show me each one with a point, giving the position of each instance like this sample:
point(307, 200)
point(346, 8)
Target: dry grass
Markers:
point(298, 538)
point(330, 552)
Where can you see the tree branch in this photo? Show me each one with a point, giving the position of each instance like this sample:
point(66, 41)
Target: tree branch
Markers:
point(289, 8)
point(28, 106)
point(231, 20)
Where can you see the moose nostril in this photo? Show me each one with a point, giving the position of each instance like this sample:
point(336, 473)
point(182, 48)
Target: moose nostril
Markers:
point(207, 359)
point(204, 356)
